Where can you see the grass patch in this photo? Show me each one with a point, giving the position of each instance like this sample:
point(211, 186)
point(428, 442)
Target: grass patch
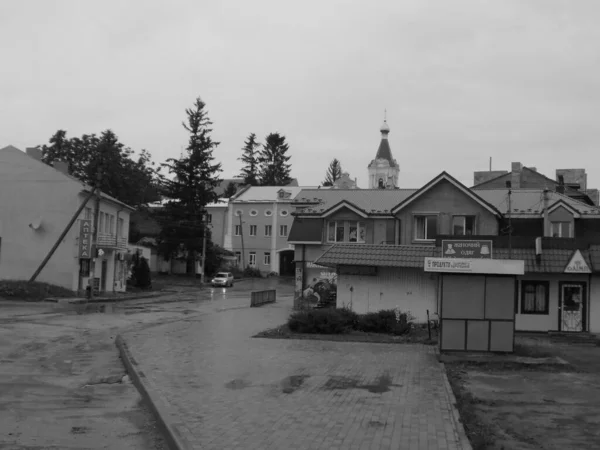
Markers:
point(480, 433)
point(36, 291)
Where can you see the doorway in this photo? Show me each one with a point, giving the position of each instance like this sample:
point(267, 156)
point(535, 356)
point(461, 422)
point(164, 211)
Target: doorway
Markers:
point(104, 273)
point(286, 263)
point(572, 306)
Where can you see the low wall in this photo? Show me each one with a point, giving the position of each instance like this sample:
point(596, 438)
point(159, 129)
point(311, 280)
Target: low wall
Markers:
point(258, 298)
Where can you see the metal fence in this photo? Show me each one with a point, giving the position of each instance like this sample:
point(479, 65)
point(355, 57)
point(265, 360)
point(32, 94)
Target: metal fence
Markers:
point(258, 298)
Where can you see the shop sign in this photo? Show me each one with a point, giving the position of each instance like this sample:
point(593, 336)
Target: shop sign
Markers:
point(85, 239)
point(312, 265)
point(475, 266)
point(480, 249)
point(358, 270)
point(577, 264)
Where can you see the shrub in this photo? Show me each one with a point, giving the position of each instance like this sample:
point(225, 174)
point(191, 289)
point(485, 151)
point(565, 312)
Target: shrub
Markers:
point(252, 272)
point(23, 290)
point(384, 321)
point(320, 321)
point(142, 274)
point(235, 271)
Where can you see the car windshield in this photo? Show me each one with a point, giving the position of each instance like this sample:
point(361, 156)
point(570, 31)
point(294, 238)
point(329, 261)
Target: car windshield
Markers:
point(221, 275)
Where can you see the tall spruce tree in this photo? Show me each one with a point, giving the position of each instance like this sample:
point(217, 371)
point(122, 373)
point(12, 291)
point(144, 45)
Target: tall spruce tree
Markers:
point(334, 172)
point(250, 159)
point(274, 169)
point(191, 187)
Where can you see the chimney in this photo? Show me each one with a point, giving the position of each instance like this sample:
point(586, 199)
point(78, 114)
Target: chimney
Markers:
point(61, 166)
point(34, 152)
point(515, 179)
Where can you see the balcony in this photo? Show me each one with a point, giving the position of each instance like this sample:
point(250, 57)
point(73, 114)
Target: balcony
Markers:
point(111, 241)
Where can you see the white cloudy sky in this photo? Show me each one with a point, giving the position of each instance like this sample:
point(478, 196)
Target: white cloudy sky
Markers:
point(462, 80)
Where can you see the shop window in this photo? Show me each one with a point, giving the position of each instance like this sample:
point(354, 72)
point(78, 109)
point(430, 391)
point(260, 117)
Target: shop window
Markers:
point(463, 225)
point(561, 229)
point(268, 230)
point(534, 297)
point(252, 230)
point(267, 259)
point(252, 259)
point(346, 231)
point(425, 227)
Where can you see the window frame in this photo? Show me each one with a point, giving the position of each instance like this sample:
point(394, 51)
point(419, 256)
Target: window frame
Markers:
point(562, 223)
point(237, 230)
point(426, 216)
point(267, 255)
point(464, 224)
point(253, 228)
point(252, 256)
point(535, 283)
point(347, 225)
point(270, 230)
point(281, 228)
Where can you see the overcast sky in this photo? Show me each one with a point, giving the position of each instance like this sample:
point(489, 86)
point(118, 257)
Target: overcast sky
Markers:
point(462, 80)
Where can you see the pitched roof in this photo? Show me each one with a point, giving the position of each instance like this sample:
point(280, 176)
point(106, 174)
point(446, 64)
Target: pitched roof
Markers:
point(267, 193)
point(530, 202)
point(385, 152)
point(306, 230)
point(551, 261)
point(371, 201)
point(447, 177)
point(377, 255)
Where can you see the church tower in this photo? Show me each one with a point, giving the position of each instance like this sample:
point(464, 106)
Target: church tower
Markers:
point(384, 170)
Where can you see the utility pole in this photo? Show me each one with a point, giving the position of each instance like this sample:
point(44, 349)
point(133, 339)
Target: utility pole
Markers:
point(203, 274)
point(243, 251)
point(509, 225)
point(96, 223)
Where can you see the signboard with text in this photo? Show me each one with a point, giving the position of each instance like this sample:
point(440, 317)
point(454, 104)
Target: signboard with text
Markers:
point(577, 264)
point(475, 266)
point(471, 249)
point(85, 239)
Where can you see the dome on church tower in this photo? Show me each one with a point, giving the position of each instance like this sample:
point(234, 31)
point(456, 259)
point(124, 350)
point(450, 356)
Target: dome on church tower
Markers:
point(385, 128)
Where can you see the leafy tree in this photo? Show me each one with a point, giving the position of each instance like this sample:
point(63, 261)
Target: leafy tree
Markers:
point(250, 159)
point(230, 190)
point(190, 189)
point(131, 180)
point(274, 169)
point(334, 172)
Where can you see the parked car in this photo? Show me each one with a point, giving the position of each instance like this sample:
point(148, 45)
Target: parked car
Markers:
point(222, 279)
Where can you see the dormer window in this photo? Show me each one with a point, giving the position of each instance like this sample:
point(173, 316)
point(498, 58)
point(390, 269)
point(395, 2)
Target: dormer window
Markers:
point(561, 229)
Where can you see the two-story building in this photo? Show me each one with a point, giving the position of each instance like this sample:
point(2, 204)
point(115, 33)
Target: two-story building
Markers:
point(37, 201)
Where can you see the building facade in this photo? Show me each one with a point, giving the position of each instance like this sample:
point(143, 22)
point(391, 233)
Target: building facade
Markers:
point(32, 221)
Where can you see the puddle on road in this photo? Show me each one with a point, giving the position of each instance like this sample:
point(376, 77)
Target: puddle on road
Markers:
point(293, 383)
point(382, 384)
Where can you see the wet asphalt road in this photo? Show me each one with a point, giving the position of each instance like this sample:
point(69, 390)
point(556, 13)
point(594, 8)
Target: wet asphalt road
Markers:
point(62, 383)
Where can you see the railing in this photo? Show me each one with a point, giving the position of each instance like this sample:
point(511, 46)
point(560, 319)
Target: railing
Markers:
point(111, 241)
point(259, 298)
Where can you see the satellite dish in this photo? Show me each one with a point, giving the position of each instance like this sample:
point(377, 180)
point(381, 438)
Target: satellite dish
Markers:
point(36, 224)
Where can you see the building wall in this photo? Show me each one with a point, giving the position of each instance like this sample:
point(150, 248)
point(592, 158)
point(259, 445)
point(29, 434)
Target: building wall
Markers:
point(218, 224)
point(594, 309)
point(543, 322)
point(445, 200)
point(411, 290)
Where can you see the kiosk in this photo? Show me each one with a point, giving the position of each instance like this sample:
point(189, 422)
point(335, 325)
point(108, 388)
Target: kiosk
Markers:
point(476, 303)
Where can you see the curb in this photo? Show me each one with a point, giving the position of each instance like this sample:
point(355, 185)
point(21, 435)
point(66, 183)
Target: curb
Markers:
point(174, 441)
point(458, 426)
point(115, 299)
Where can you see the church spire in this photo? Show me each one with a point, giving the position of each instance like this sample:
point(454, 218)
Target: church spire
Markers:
point(384, 170)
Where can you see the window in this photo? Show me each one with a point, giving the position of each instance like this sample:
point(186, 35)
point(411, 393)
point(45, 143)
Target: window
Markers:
point(107, 223)
point(268, 230)
point(283, 230)
point(463, 225)
point(267, 260)
point(425, 228)
point(252, 261)
point(112, 224)
point(88, 213)
point(84, 267)
point(534, 297)
point(209, 218)
point(380, 183)
point(253, 212)
point(346, 231)
point(121, 229)
point(252, 230)
point(561, 229)
point(238, 230)
point(268, 213)
point(238, 258)
point(283, 213)
point(101, 223)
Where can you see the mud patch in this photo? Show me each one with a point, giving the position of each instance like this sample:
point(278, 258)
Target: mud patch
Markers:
point(79, 430)
point(382, 384)
point(237, 384)
point(376, 424)
point(293, 383)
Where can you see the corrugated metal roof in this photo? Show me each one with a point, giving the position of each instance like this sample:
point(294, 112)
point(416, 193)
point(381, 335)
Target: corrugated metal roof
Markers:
point(552, 260)
point(371, 201)
point(377, 255)
point(530, 202)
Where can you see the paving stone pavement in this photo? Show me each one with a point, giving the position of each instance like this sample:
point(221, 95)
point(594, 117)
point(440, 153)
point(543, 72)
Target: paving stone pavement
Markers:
point(224, 389)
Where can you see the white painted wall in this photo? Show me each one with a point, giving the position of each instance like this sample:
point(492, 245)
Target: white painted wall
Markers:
point(411, 290)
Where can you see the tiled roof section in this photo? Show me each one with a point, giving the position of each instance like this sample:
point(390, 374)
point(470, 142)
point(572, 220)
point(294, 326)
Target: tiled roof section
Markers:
point(306, 230)
point(267, 193)
point(385, 152)
point(530, 202)
point(376, 255)
point(371, 201)
point(551, 261)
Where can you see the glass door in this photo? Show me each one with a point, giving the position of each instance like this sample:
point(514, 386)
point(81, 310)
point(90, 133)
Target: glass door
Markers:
point(572, 307)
